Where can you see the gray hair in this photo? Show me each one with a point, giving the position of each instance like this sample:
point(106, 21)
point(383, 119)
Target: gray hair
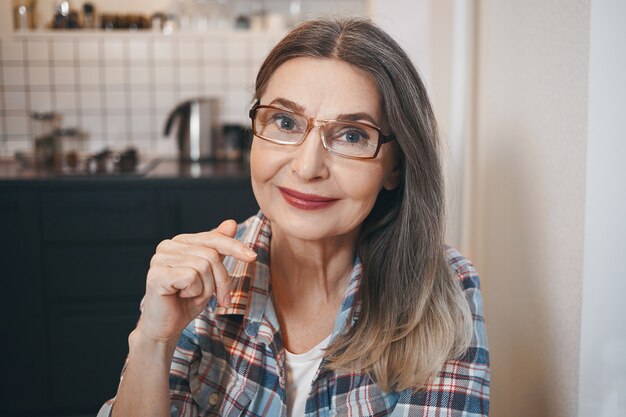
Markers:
point(414, 316)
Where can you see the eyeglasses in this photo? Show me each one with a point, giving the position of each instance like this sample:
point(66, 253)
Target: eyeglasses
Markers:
point(357, 140)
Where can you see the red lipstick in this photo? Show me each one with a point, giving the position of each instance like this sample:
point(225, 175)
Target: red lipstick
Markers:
point(305, 201)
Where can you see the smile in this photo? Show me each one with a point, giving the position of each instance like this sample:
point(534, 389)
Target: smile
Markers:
point(305, 201)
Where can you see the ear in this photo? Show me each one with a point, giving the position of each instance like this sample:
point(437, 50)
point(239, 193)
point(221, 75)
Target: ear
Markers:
point(392, 180)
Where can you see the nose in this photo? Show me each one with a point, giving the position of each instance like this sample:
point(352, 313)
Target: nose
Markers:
point(309, 160)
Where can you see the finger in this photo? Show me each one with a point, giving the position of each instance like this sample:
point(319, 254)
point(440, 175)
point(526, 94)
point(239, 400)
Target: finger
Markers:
point(222, 240)
point(228, 228)
point(201, 265)
point(165, 280)
point(223, 283)
point(175, 259)
point(215, 278)
point(224, 245)
point(187, 281)
point(157, 275)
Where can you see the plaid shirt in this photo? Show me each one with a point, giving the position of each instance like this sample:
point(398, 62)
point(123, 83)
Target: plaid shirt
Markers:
point(229, 360)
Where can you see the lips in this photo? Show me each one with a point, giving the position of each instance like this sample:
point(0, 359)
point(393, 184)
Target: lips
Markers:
point(306, 201)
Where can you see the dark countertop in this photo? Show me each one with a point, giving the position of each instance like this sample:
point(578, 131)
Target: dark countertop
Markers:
point(157, 171)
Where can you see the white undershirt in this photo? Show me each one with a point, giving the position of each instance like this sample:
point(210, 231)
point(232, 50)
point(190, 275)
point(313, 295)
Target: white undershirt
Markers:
point(301, 370)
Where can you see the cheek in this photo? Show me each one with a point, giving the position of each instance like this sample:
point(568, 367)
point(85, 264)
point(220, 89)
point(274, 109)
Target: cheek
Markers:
point(255, 162)
point(362, 185)
point(263, 162)
point(265, 165)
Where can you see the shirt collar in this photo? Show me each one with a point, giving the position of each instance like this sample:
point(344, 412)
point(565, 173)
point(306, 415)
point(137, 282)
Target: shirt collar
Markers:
point(250, 296)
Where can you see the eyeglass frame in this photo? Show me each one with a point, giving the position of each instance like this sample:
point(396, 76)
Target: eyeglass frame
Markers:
point(311, 123)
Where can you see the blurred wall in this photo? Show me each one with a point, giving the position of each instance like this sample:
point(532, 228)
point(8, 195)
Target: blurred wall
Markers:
point(408, 22)
point(529, 202)
point(438, 38)
point(602, 389)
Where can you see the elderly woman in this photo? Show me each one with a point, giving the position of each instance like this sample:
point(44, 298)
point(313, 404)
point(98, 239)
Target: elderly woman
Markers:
point(339, 297)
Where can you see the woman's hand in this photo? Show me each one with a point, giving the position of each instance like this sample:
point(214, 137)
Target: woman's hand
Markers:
point(184, 272)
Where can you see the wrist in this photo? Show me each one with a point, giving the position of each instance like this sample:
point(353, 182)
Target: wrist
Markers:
point(139, 342)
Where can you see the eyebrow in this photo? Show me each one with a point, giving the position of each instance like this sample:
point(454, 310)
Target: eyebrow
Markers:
point(288, 104)
point(295, 107)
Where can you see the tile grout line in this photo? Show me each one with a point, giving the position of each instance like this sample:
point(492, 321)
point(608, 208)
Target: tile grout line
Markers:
point(152, 91)
point(102, 89)
point(77, 87)
point(128, 114)
point(4, 149)
point(52, 87)
point(26, 87)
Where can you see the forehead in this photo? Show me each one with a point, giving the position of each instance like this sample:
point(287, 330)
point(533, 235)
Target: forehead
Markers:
point(324, 87)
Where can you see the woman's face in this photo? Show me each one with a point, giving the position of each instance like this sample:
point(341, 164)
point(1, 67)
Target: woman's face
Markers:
point(306, 191)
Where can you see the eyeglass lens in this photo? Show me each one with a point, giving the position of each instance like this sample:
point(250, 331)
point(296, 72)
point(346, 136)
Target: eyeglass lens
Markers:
point(342, 137)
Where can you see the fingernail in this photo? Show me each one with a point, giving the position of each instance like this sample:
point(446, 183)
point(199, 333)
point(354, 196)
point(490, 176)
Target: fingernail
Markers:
point(250, 253)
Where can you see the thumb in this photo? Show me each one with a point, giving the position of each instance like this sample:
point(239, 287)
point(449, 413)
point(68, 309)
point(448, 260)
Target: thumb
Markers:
point(228, 228)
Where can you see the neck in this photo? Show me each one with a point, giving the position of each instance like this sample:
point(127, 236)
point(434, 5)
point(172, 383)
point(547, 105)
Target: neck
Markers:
point(309, 279)
point(311, 268)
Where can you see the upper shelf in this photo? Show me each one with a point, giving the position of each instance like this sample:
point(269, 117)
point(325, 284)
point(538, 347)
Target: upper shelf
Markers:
point(144, 33)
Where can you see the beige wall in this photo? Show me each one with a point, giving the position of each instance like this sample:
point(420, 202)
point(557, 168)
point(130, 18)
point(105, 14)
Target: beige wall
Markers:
point(529, 210)
point(603, 328)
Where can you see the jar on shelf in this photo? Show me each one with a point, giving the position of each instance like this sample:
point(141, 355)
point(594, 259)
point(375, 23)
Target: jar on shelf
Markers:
point(70, 145)
point(44, 123)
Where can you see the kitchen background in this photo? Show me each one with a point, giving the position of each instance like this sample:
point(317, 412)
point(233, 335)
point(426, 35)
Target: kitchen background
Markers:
point(119, 86)
point(529, 96)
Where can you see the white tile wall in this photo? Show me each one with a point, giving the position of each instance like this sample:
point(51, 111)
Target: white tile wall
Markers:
point(238, 75)
point(39, 76)
point(163, 50)
point(15, 100)
point(88, 50)
point(63, 50)
point(189, 51)
point(120, 88)
point(38, 51)
point(13, 51)
point(65, 102)
point(141, 124)
point(214, 49)
point(238, 50)
point(3, 142)
point(137, 50)
point(113, 50)
point(114, 75)
point(40, 101)
point(115, 101)
point(19, 144)
point(92, 123)
point(140, 75)
point(64, 75)
point(116, 123)
point(17, 125)
point(89, 75)
point(163, 74)
point(14, 76)
point(189, 74)
point(140, 100)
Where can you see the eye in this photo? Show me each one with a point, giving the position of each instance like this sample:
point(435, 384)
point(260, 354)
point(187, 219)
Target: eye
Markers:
point(284, 122)
point(354, 136)
point(351, 136)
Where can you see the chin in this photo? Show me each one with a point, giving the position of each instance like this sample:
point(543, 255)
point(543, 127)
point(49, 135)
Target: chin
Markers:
point(311, 225)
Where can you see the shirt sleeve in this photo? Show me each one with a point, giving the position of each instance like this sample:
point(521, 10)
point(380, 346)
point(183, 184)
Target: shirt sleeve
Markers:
point(461, 389)
point(182, 403)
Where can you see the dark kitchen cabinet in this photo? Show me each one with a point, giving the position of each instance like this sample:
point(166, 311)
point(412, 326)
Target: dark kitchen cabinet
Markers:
point(24, 344)
point(74, 260)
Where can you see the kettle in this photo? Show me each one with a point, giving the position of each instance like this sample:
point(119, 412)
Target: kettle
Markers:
point(198, 128)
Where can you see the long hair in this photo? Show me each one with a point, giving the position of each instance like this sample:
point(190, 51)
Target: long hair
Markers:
point(413, 315)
